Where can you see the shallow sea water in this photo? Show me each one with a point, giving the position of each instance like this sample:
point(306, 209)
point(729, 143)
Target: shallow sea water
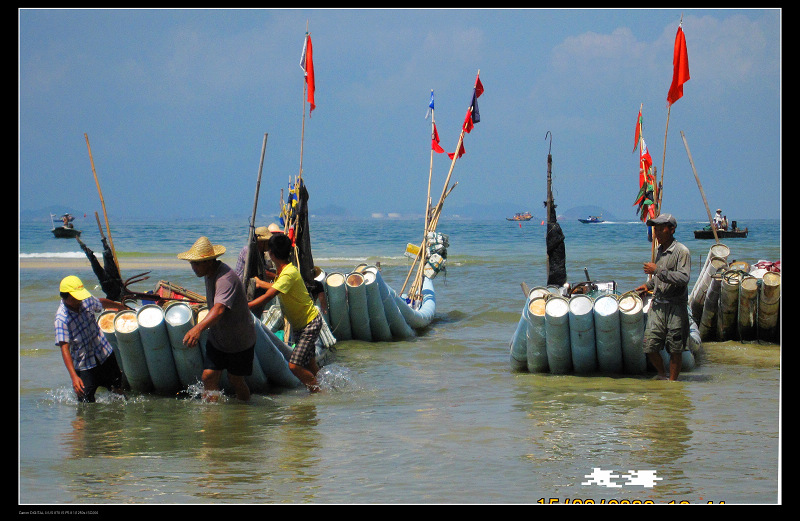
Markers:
point(437, 419)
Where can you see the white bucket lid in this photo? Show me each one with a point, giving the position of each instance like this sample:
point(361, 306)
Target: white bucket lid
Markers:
point(580, 305)
point(178, 314)
point(334, 279)
point(630, 304)
point(606, 305)
point(150, 315)
point(125, 322)
point(557, 307)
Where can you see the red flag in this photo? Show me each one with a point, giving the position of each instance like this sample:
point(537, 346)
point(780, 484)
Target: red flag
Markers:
point(680, 68)
point(468, 124)
point(461, 151)
point(478, 86)
point(307, 64)
point(645, 162)
point(435, 141)
point(638, 128)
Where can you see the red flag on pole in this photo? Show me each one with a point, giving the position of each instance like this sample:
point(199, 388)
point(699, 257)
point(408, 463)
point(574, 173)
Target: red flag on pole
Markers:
point(307, 64)
point(638, 128)
point(478, 86)
point(680, 68)
point(461, 152)
point(435, 141)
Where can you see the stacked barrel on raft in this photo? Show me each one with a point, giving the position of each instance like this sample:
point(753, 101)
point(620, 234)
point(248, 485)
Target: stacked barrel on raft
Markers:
point(736, 301)
point(584, 335)
point(361, 306)
point(148, 344)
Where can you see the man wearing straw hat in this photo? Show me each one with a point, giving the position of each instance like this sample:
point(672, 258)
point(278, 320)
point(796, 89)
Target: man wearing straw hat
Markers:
point(668, 318)
point(86, 352)
point(262, 233)
point(231, 338)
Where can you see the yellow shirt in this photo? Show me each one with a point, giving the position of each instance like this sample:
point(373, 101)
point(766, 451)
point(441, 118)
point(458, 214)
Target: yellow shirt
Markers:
point(296, 303)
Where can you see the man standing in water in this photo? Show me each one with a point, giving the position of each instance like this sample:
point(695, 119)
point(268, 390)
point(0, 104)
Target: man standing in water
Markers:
point(668, 318)
point(231, 336)
point(298, 308)
point(86, 352)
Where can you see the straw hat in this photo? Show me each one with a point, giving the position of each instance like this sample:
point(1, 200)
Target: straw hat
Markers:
point(202, 250)
point(262, 233)
point(74, 287)
point(274, 228)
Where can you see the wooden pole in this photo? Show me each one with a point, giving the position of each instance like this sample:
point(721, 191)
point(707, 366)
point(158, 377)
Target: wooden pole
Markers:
point(664, 157)
point(303, 126)
point(422, 251)
point(700, 186)
point(660, 188)
point(251, 233)
point(549, 202)
point(437, 210)
point(102, 203)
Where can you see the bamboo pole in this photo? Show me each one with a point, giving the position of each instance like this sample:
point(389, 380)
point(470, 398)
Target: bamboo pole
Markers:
point(700, 186)
point(664, 157)
point(423, 247)
point(660, 189)
point(437, 210)
point(303, 126)
point(252, 231)
point(102, 202)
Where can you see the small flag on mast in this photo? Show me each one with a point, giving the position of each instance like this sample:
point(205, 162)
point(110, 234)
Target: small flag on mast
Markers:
point(307, 64)
point(430, 107)
point(435, 141)
point(680, 68)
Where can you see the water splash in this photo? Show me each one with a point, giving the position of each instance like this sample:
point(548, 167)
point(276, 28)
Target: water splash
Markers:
point(337, 378)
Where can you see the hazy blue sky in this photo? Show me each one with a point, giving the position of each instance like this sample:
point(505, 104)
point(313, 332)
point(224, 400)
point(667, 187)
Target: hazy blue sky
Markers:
point(176, 103)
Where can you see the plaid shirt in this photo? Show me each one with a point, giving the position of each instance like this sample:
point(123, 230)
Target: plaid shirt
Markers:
point(87, 344)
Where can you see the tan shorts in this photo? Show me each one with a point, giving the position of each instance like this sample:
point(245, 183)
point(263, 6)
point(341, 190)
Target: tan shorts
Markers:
point(667, 327)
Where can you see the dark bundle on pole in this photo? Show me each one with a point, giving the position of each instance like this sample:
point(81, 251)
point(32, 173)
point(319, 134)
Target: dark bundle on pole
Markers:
point(302, 234)
point(556, 252)
point(108, 274)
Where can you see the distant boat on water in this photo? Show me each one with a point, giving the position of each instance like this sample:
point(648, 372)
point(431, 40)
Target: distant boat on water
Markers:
point(592, 219)
point(66, 230)
point(734, 233)
point(525, 216)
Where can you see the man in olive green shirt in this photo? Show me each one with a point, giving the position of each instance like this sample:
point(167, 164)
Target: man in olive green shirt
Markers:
point(668, 318)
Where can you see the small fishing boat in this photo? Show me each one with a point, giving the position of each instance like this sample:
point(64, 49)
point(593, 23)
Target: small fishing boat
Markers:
point(592, 219)
point(66, 230)
point(525, 216)
point(734, 233)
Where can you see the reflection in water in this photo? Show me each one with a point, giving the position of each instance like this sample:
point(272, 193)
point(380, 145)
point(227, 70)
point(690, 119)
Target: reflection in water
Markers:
point(616, 424)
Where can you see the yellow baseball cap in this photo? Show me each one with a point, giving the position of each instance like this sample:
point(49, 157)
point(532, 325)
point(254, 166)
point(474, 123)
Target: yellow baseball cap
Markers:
point(74, 287)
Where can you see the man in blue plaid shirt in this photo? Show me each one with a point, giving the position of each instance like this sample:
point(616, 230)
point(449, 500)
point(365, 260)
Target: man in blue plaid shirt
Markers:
point(87, 354)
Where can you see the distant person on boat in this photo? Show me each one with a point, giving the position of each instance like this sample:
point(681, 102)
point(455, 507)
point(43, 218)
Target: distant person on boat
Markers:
point(231, 337)
point(724, 222)
point(87, 354)
point(298, 308)
point(718, 219)
point(668, 318)
point(263, 233)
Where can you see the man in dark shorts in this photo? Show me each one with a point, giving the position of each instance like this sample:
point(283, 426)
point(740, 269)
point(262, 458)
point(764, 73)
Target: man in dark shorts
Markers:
point(86, 352)
point(231, 335)
point(668, 317)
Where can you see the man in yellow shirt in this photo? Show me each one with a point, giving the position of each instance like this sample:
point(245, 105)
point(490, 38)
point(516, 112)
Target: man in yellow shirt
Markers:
point(297, 307)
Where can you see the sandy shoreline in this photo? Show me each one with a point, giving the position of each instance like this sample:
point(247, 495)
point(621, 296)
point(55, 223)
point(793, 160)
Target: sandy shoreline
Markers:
point(63, 263)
